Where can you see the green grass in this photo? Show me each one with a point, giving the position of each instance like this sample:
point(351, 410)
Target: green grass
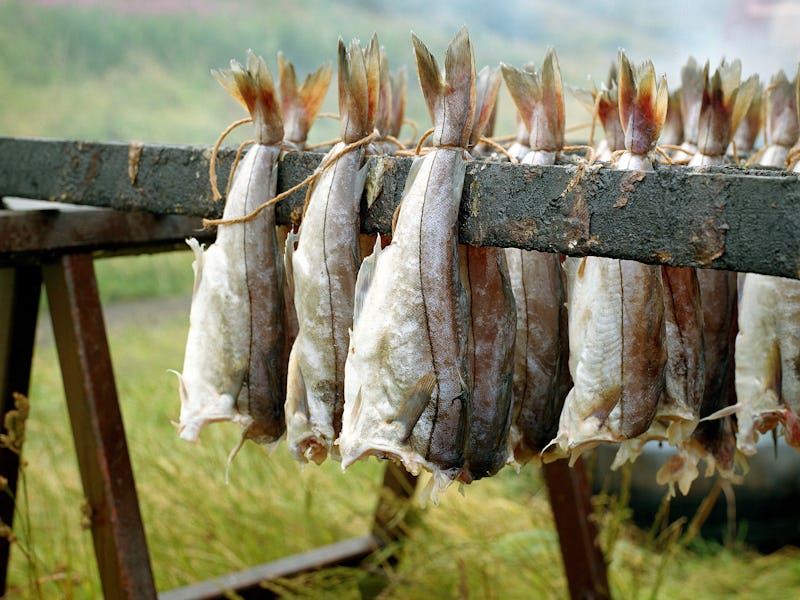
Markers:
point(496, 541)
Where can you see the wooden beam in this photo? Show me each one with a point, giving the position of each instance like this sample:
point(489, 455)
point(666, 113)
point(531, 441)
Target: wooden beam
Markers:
point(570, 499)
point(40, 235)
point(724, 218)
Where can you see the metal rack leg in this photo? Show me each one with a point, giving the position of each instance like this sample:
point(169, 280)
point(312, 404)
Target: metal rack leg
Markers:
point(570, 499)
point(20, 288)
point(117, 529)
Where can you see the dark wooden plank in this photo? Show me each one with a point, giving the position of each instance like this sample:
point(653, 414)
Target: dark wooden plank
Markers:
point(40, 235)
point(570, 499)
point(721, 218)
point(246, 584)
point(116, 524)
point(20, 289)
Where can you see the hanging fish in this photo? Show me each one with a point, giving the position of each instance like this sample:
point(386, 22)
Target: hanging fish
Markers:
point(768, 342)
point(234, 367)
point(325, 264)
point(408, 373)
point(299, 105)
point(491, 329)
point(541, 373)
point(691, 95)
point(745, 137)
point(616, 307)
point(672, 133)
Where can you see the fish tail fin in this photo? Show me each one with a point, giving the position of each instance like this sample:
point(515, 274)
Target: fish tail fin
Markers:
point(384, 112)
point(486, 88)
point(301, 103)
point(252, 86)
point(359, 83)
point(643, 103)
point(398, 110)
point(523, 85)
point(450, 101)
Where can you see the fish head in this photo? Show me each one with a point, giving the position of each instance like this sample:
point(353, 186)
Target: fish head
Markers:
point(200, 404)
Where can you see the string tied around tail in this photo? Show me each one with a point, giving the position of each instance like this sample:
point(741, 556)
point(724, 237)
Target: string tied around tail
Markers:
point(308, 180)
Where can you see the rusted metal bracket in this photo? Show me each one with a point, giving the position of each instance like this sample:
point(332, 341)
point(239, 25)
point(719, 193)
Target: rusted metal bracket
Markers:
point(723, 218)
point(116, 523)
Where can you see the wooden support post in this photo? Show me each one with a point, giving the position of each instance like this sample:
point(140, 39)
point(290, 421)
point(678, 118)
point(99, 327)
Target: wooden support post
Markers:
point(117, 530)
point(398, 487)
point(20, 289)
point(570, 499)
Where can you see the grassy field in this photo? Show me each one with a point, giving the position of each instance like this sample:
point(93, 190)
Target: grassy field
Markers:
point(497, 540)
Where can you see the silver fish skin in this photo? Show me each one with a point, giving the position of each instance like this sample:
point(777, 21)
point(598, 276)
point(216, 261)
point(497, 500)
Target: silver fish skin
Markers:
point(325, 265)
point(408, 376)
point(232, 369)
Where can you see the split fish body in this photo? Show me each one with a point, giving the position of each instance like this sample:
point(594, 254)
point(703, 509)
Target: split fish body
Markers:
point(406, 378)
point(324, 265)
point(541, 357)
point(617, 355)
point(232, 366)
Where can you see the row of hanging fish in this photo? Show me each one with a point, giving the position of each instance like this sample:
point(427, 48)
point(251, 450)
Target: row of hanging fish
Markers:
point(457, 359)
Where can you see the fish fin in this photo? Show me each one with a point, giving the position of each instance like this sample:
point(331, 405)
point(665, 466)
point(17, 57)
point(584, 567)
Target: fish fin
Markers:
point(288, 258)
point(254, 88)
point(585, 97)
point(486, 88)
point(364, 280)
point(359, 80)
point(627, 90)
point(451, 102)
point(298, 387)
point(415, 403)
point(197, 264)
point(232, 455)
point(300, 104)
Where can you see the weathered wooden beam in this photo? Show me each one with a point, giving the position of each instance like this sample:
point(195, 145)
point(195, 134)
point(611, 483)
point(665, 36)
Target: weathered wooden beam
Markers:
point(724, 218)
point(29, 234)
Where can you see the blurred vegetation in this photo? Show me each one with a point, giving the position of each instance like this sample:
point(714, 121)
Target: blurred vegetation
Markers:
point(127, 70)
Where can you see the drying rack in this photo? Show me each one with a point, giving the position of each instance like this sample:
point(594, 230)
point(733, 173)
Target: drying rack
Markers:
point(136, 198)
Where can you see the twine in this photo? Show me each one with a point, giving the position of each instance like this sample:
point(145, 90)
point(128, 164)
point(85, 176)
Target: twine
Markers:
point(317, 172)
point(212, 165)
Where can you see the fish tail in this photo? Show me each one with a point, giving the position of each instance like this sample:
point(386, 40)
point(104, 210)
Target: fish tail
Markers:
point(486, 88)
point(252, 86)
point(300, 104)
point(383, 115)
point(539, 98)
point(399, 80)
point(450, 101)
point(359, 84)
point(643, 103)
